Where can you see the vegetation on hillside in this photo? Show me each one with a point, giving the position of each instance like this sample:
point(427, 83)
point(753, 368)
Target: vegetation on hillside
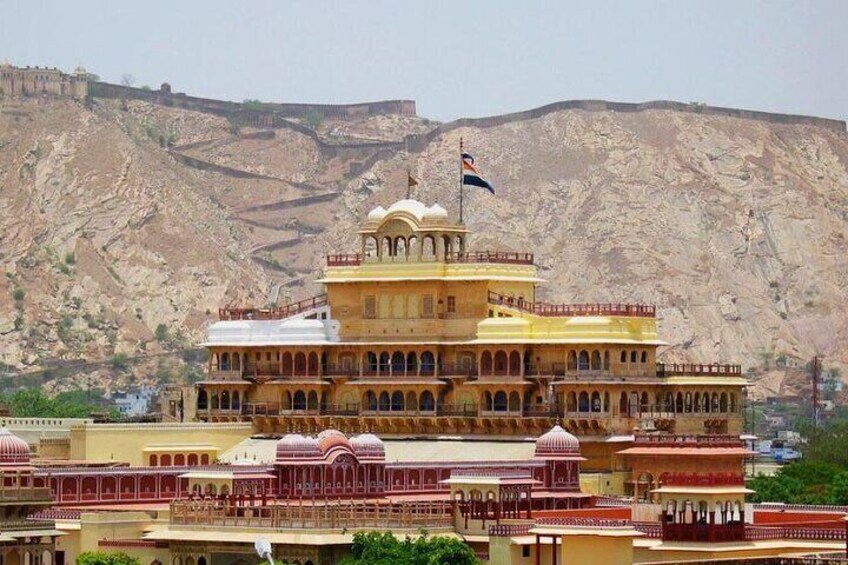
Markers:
point(383, 548)
point(33, 403)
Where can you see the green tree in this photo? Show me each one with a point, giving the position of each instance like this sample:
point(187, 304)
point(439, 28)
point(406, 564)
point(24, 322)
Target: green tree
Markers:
point(106, 558)
point(383, 548)
point(120, 362)
point(161, 333)
point(313, 118)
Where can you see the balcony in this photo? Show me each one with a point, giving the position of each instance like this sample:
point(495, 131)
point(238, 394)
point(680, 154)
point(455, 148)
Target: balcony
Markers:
point(25, 494)
point(689, 369)
point(276, 313)
point(571, 310)
point(465, 257)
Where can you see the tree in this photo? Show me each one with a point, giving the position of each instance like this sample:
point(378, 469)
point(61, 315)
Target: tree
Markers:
point(161, 333)
point(383, 548)
point(313, 118)
point(106, 558)
point(127, 79)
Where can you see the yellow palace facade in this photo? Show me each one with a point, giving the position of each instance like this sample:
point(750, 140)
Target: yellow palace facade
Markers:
point(417, 335)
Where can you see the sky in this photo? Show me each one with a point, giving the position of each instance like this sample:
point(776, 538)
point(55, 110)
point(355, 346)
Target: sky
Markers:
point(455, 59)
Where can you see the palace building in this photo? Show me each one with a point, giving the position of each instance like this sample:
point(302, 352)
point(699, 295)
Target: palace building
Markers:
point(417, 335)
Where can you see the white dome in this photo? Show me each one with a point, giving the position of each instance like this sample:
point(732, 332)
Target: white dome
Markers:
point(556, 444)
point(297, 447)
point(377, 213)
point(368, 446)
point(436, 212)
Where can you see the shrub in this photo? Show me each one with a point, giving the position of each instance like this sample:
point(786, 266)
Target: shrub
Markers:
point(18, 294)
point(70, 258)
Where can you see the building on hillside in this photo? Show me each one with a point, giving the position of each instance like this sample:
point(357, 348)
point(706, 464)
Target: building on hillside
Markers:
point(133, 403)
point(16, 82)
point(418, 335)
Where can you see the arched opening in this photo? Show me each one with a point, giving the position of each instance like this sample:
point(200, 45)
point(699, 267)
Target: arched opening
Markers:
point(225, 361)
point(179, 460)
point(596, 361)
point(192, 459)
point(606, 361)
point(288, 364)
point(312, 401)
point(514, 402)
point(486, 363)
point(571, 402)
point(488, 403)
point(500, 362)
point(312, 366)
point(154, 460)
point(644, 357)
point(236, 403)
point(300, 363)
point(606, 402)
point(371, 362)
point(428, 245)
point(369, 248)
point(623, 406)
point(384, 362)
point(633, 356)
point(500, 402)
point(387, 250)
point(583, 402)
point(225, 400)
point(384, 403)
point(698, 402)
point(644, 403)
point(398, 363)
point(583, 361)
point(411, 401)
point(679, 403)
point(411, 363)
point(428, 363)
point(514, 363)
point(688, 406)
point(733, 408)
point(412, 247)
point(397, 401)
point(299, 402)
point(202, 400)
point(596, 401)
point(370, 401)
point(428, 402)
point(623, 357)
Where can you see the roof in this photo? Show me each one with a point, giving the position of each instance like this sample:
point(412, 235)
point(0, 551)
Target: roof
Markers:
point(409, 450)
point(229, 475)
point(682, 489)
point(694, 451)
point(299, 537)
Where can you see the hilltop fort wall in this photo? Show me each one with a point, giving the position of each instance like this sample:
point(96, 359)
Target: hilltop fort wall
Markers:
point(33, 81)
point(269, 110)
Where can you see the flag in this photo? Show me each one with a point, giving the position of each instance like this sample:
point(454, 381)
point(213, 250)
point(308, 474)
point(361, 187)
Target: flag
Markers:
point(471, 176)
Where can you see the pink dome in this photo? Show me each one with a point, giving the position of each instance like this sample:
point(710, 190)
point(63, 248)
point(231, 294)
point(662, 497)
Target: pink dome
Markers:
point(13, 450)
point(557, 443)
point(333, 440)
point(368, 446)
point(294, 447)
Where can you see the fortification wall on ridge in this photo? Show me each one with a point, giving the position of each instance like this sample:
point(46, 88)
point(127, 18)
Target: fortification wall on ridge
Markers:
point(164, 96)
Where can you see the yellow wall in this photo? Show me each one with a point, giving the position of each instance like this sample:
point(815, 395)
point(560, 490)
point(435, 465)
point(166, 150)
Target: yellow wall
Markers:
point(126, 442)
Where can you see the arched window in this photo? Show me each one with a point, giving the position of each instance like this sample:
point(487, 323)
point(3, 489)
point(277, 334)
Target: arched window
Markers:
point(312, 367)
point(633, 356)
point(623, 357)
point(428, 402)
point(397, 401)
point(428, 363)
point(697, 402)
point(733, 407)
point(679, 403)
point(606, 402)
point(154, 460)
point(312, 400)
point(179, 460)
point(225, 361)
point(192, 459)
point(371, 362)
point(500, 362)
point(596, 361)
point(514, 402)
point(202, 399)
point(288, 364)
point(370, 401)
point(583, 402)
point(166, 460)
point(606, 360)
point(384, 362)
point(370, 248)
point(299, 400)
point(236, 401)
point(385, 404)
point(688, 403)
point(514, 363)
point(400, 247)
point(500, 404)
point(411, 363)
point(300, 363)
point(387, 247)
point(398, 363)
point(487, 401)
point(214, 401)
point(429, 247)
point(572, 360)
point(225, 400)
point(236, 362)
point(583, 361)
point(596, 401)
point(571, 402)
point(644, 357)
point(412, 247)
point(623, 405)
point(486, 363)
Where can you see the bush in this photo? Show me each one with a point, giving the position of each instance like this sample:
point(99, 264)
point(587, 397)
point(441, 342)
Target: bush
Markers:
point(161, 333)
point(383, 548)
point(70, 258)
point(104, 558)
point(313, 118)
point(18, 294)
point(120, 362)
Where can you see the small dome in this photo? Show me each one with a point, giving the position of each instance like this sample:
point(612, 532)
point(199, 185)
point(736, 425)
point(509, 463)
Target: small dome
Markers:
point(368, 446)
point(296, 447)
point(13, 450)
point(377, 213)
point(330, 439)
point(436, 212)
point(557, 443)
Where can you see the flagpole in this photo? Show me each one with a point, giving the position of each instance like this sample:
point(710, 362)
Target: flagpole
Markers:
point(408, 183)
point(460, 180)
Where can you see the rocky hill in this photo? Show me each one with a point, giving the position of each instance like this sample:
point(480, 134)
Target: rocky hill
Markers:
point(121, 218)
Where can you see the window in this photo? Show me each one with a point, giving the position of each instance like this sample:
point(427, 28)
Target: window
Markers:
point(370, 307)
point(427, 306)
point(525, 551)
point(451, 305)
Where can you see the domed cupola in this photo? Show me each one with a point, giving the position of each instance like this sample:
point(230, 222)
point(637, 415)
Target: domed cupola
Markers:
point(557, 444)
point(333, 441)
point(368, 447)
point(295, 447)
point(13, 450)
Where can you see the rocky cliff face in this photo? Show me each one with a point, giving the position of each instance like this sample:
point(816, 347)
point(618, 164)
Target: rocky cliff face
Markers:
point(735, 228)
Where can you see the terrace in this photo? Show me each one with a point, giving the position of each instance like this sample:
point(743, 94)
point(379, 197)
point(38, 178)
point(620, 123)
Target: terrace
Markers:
point(464, 257)
point(570, 310)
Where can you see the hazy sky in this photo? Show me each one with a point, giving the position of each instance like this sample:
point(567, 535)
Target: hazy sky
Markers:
point(454, 58)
